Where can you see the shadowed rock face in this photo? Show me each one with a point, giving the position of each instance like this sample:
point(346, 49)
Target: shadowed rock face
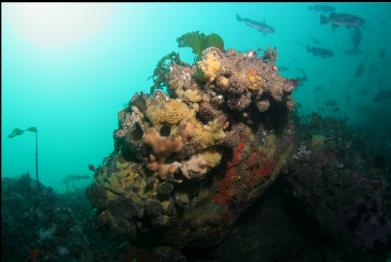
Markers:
point(186, 164)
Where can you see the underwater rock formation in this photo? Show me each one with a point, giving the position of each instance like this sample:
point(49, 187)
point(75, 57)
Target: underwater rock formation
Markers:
point(36, 226)
point(342, 191)
point(187, 163)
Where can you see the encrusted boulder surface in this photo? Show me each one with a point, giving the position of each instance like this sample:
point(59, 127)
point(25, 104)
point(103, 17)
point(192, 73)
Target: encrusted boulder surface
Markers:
point(189, 161)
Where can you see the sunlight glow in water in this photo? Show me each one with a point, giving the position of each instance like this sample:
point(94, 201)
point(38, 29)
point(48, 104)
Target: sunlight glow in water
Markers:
point(58, 24)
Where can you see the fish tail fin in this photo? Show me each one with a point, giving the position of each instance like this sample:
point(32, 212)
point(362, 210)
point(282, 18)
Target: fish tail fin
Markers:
point(238, 17)
point(308, 49)
point(323, 19)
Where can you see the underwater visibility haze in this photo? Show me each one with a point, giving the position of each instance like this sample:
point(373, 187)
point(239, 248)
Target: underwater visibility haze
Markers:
point(152, 132)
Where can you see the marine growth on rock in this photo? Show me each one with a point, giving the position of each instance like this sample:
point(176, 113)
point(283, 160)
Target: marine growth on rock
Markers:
point(189, 161)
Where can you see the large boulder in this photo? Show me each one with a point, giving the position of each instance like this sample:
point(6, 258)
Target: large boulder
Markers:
point(189, 161)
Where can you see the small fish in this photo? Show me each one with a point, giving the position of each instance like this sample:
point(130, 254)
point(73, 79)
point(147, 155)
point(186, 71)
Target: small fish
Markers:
point(283, 68)
point(363, 91)
point(361, 108)
point(314, 40)
point(91, 167)
point(259, 51)
point(373, 69)
point(319, 51)
point(352, 52)
point(299, 81)
point(347, 98)
point(382, 53)
point(330, 103)
point(322, 8)
point(356, 37)
point(359, 70)
point(304, 78)
point(350, 85)
point(259, 26)
point(382, 96)
point(381, 20)
point(301, 70)
point(342, 20)
point(70, 178)
point(318, 88)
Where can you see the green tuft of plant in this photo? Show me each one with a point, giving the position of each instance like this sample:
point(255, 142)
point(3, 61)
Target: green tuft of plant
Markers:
point(162, 69)
point(199, 41)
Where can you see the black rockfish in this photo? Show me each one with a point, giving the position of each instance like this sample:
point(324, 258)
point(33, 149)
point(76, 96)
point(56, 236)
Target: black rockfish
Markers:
point(315, 41)
point(359, 70)
point(319, 51)
point(353, 51)
point(382, 95)
point(382, 53)
point(342, 20)
point(356, 37)
point(259, 26)
point(322, 8)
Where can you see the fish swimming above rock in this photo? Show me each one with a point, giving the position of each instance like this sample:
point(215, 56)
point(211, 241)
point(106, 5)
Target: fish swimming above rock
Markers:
point(303, 78)
point(301, 70)
point(322, 8)
point(318, 88)
point(382, 53)
point(314, 40)
point(91, 167)
point(359, 70)
point(363, 91)
point(299, 81)
point(342, 20)
point(356, 37)
point(331, 103)
point(353, 51)
point(319, 51)
point(347, 97)
point(383, 95)
point(382, 21)
point(259, 26)
point(283, 68)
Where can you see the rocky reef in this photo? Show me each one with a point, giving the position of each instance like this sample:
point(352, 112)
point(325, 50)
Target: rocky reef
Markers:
point(187, 162)
point(36, 226)
point(344, 189)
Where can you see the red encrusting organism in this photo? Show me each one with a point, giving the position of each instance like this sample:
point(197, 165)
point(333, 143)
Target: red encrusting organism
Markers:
point(266, 169)
point(225, 216)
point(237, 154)
point(262, 171)
point(224, 194)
